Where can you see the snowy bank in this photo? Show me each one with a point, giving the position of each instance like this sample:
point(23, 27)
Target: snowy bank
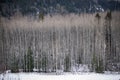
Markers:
point(65, 76)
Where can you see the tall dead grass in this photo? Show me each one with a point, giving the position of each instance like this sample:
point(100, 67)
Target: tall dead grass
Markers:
point(58, 21)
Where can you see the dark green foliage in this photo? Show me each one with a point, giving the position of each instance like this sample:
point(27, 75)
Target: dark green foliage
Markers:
point(25, 63)
point(97, 65)
point(108, 40)
point(79, 61)
point(108, 15)
point(94, 62)
point(97, 16)
point(14, 67)
point(44, 62)
point(67, 63)
point(41, 16)
point(29, 62)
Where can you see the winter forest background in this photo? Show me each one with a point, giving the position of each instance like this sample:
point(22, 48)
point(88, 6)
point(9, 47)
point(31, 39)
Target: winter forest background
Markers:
point(64, 43)
point(59, 36)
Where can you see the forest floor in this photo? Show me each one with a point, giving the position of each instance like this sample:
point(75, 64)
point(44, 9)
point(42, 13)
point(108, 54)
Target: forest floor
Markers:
point(63, 76)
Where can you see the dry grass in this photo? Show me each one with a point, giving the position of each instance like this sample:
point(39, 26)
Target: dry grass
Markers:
point(82, 20)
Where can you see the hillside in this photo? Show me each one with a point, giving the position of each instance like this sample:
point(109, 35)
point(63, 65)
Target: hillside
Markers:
point(33, 7)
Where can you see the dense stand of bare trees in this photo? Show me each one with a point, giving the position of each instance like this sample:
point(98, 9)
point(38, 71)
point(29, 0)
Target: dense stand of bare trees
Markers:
point(55, 48)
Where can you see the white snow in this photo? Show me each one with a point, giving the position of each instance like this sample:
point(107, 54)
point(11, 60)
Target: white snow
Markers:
point(80, 68)
point(64, 76)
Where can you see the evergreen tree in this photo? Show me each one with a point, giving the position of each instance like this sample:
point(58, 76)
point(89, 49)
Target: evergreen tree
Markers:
point(97, 64)
point(79, 61)
point(25, 63)
point(44, 62)
point(94, 62)
point(67, 63)
point(29, 62)
point(14, 65)
point(108, 40)
point(98, 17)
point(41, 16)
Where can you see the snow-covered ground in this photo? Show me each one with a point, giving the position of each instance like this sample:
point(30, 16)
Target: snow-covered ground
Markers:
point(64, 76)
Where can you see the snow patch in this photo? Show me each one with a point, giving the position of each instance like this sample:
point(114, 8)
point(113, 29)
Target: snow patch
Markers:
point(80, 68)
point(66, 76)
